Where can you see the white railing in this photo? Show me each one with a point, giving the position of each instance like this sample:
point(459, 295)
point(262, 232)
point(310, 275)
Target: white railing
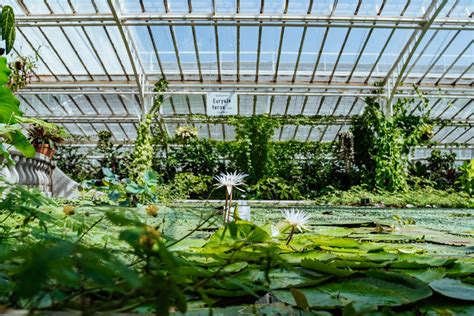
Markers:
point(41, 173)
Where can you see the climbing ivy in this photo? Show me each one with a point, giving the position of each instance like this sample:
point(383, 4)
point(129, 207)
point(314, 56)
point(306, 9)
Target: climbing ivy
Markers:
point(252, 152)
point(383, 142)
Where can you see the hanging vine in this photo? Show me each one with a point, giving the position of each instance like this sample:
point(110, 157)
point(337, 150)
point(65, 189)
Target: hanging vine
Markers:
point(142, 158)
point(383, 142)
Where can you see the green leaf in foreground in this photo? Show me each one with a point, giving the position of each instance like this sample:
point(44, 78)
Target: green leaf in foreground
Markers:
point(454, 289)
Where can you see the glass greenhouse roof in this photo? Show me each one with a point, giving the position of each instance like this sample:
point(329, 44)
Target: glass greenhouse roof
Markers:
point(98, 59)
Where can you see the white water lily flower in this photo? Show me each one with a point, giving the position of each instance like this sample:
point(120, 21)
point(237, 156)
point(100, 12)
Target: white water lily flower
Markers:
point(296, 219)
point(230, 180)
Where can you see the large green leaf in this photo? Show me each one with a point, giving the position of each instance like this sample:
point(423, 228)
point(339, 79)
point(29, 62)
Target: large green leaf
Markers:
point(280, 279)
point(326, 267)
point(377, 288)
point(426, 275)
point(454, 289)
point(417, 262)
point(4, 71)
point(9, 106)
point(22, 144)
point(236, 232)
point(7, 24)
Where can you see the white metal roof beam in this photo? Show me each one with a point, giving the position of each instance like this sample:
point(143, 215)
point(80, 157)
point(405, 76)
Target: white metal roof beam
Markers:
point(229, 85)
point(132, 52)
point(244, 18)
point(411, 46)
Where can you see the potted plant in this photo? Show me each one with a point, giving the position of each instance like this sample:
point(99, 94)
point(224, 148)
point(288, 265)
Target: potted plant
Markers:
point(46, 137)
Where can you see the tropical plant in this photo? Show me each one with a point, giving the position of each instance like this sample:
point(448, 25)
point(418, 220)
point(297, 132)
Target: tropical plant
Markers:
point(46, 137)
point(275, 188)
point(10, 118)
point(142, 157)
point(7, 26)
point(184, 134)
point(383, 141)
point(125, 192)
point(21, 72)
point(198, 156)
point(74, 160)
point(441, 169)
point(229, 181)
point(253, 153)
point(466, 180)
point(296, 220)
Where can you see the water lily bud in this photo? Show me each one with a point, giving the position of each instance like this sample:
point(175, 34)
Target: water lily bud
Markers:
point(69, 210)
point(152, 210)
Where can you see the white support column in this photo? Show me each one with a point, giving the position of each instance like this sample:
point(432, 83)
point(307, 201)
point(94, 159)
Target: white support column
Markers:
point(407, 52)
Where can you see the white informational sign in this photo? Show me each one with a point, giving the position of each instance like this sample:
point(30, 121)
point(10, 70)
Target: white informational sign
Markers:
point(221, 103)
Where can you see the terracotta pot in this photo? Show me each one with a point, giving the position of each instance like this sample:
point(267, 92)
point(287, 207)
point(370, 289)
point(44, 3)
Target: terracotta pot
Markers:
point(46, 150)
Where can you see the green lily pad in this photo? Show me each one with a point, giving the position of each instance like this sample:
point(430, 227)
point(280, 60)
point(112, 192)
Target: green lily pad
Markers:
point(281, 279)
point(454, 289)
point(326, 267)
point(314, 297)
point(377, 288)
point(417, 262)
point(426, 275)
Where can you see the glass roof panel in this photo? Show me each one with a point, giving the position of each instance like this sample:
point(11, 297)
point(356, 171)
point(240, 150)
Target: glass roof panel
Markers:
point(250, 6)
point(246, 104)
point(225, 6)
point(302, 132)
point(345, 8)
point(263, 104)
point(228, 51)
point(149, 5)
point(287, 133)
point(394, 8)
point(36, 7)
point(323, 7)
point(178, 6)
point(298, 7)
point(370, 8)
point(76, 52)
point(130, 130)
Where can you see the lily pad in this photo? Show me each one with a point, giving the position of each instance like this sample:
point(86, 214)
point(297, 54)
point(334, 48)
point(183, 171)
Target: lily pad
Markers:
point(454, 289)
point(280, 278)
point(326, 267)
point(314, 297)
point(377, 288)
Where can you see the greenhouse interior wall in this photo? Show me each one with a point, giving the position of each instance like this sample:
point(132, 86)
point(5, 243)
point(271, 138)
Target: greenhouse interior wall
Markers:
point(236, 157)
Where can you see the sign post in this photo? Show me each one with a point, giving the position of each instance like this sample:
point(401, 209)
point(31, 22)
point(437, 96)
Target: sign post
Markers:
point(221, 103)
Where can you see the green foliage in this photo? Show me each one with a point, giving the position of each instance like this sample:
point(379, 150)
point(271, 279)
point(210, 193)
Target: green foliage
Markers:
point(9, 115)
point(7, 26)
point(253, 154)
point(185, 185)
point(441, 169)
point(113, 259)
point(142, 157)
point(21, 72)
point(46, 134)
point(275, 188)
point(198, 156)
point(126, 192)
point(382, 142)
point(420, 197)
point(466, 179)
